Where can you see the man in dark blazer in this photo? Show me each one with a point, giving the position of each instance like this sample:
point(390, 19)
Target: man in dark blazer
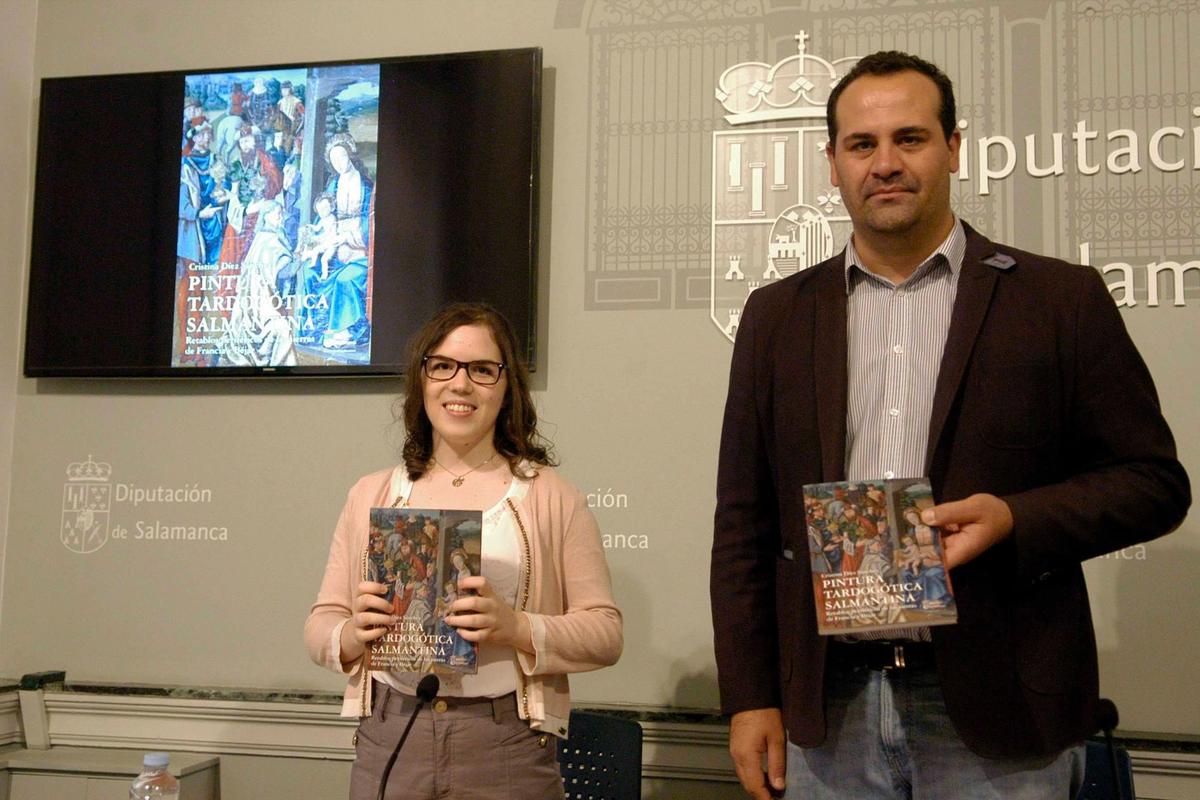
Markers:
point(1021, 397)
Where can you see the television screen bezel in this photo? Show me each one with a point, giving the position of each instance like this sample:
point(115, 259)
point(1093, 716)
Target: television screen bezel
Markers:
point(41, 228)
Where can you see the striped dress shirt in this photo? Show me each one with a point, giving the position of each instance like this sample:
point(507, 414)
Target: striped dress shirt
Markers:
point(896, 334)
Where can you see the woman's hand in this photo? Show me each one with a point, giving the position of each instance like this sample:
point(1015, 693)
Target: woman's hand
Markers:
point(483, 617)
point(371, 617)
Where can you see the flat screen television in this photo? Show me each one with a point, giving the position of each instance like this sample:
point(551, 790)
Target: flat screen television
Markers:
point(300, 219)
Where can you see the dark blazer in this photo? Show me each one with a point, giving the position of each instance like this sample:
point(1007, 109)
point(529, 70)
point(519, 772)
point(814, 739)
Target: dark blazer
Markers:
point(1041, 399)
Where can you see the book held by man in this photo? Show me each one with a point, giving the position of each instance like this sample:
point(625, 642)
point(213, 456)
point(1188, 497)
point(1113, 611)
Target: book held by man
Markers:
point(420, 554)
point(875, 564)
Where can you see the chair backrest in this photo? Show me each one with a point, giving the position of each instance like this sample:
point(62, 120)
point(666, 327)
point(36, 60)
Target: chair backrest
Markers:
point(602, 758)
point(1098, 774)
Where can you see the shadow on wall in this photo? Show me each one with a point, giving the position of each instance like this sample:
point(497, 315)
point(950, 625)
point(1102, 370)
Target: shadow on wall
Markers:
point(688, 677)
point(695, 680)
point(1149, 673)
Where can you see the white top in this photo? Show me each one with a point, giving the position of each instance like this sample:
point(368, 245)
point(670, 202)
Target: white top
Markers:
point(501, 564)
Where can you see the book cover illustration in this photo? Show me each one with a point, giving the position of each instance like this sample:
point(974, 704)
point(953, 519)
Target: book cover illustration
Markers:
point(875, 565)
point(420, 554)
point(274, 256)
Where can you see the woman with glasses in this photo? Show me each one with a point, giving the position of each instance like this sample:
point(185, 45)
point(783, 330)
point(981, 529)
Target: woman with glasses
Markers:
point(541, 608)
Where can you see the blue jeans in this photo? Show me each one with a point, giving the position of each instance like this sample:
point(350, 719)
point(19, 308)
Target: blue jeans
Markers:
point(888, 737)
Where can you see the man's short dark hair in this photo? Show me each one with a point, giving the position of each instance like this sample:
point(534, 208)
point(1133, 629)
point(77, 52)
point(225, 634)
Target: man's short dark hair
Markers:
point(889, 62)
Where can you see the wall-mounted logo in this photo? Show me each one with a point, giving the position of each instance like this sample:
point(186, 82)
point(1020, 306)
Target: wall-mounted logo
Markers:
point(91, 499)
point(87, 503)
point(774, 211)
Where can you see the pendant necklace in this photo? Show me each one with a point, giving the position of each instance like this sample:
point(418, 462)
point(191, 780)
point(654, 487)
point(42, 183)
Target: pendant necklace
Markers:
point(458, 479)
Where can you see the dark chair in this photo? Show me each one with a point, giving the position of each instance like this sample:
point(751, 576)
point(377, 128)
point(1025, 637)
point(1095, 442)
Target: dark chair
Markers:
point(1098, 780)
point(1108, 774)
point(602, 758)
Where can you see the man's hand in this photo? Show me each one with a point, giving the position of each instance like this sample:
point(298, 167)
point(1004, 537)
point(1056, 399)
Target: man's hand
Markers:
point(970, 526)
point(751, 735)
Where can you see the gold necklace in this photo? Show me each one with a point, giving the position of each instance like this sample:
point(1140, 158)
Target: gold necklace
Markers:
point(458, 479)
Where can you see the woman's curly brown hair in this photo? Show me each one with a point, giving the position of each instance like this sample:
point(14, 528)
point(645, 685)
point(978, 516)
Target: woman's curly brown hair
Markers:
point(516, 437)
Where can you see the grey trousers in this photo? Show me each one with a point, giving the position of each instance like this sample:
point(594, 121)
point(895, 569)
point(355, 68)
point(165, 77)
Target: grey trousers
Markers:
point(458, 749)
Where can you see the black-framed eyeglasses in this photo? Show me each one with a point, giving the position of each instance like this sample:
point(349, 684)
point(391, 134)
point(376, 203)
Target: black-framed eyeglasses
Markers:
point(483, 373)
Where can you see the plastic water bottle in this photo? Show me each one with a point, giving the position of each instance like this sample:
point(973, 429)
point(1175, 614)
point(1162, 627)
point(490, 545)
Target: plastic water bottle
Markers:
point(155, 782)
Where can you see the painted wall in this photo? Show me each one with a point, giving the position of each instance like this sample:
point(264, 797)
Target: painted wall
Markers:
point(632, 307)
point(18, 20)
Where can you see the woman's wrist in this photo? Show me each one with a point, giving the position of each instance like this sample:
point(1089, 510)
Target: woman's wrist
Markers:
point(524, 635)
point(350, 648)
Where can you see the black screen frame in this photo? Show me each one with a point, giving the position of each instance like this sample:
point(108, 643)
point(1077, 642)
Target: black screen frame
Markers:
point(451, 232)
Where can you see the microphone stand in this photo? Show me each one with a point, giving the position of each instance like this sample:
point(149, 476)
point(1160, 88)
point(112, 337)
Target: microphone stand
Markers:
point(1109, 719)
point(427, 689)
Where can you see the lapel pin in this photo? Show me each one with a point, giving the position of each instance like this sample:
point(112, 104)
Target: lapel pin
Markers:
point(999, 261)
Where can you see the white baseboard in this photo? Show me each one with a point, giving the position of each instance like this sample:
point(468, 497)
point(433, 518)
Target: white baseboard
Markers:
point(1165, 776)
point(671, 750)
point(10, 720)
point(294, 730)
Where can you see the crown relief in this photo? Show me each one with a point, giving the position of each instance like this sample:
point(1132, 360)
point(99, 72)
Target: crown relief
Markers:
point(795, 88)
point(89, 471)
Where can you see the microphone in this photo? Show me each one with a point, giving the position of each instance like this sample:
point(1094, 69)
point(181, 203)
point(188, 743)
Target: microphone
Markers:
point(427, 689)
point(1106, 714)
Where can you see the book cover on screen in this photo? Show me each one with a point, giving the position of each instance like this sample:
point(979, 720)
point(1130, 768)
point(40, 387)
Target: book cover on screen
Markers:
point(274, 258)
point(420, 554)
point(875, 565)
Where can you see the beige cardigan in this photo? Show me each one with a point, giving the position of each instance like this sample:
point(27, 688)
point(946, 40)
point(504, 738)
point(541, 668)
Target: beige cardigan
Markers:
point(575, 624)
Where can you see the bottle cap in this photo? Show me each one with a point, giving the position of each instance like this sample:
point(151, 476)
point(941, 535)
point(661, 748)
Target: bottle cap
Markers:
point(156, 759)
